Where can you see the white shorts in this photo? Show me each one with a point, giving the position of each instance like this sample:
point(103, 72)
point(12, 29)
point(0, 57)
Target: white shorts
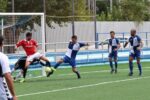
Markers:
point(34, 56)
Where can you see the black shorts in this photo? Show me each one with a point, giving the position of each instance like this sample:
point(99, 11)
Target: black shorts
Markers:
point(20, 64)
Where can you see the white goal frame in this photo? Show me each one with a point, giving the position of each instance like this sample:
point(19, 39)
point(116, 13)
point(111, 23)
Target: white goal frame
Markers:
point(42, 15)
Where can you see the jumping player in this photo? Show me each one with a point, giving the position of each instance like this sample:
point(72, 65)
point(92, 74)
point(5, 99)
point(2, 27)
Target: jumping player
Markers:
point(30, 47)
point(113, 47)
point(136, 45)
point(6, 83)
point(70, 56)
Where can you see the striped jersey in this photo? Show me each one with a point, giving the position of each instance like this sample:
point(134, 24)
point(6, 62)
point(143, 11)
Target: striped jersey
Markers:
point(113, 44)
point(73, 49)
point(4, 68)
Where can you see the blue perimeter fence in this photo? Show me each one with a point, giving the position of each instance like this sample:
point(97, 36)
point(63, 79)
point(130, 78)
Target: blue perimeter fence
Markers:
point(84, 57)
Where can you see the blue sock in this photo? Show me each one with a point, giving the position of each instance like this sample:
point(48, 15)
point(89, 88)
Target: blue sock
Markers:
point(56, 65)
point(48, 64)
point(131, 66)
point(111, 65)
point(140, 67)
point(116, 65)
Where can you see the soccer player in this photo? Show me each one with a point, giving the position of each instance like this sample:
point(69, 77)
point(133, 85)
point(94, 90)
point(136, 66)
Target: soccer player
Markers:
point(30, 47)
point(70, 56)
point(113, 47)
point(20, 64)
point(136, 45)
point(6, 83)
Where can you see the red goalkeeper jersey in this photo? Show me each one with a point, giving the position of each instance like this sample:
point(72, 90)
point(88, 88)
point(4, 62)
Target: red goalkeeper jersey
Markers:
point(30, 47)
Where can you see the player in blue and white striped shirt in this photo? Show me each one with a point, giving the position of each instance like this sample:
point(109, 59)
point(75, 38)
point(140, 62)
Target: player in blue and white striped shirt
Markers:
point(113, 46)
point(136, 45)
point(70, 56)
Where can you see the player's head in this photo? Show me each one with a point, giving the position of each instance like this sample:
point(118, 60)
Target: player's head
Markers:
point(28, 36)
point(74, 38)
point(133, 32)
point(1, 41)
point(112, 34)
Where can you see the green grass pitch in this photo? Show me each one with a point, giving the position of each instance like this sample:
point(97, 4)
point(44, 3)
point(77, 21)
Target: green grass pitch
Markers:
point(96, 84)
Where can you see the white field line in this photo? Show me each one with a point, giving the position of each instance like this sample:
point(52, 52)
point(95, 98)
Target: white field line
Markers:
point(83, 86)
point(89, 72)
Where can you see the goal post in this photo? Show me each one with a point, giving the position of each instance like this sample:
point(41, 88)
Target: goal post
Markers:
point(42, 28)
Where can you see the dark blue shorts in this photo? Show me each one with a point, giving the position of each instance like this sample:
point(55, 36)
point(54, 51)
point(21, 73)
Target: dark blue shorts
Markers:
point(136, 54)
point(71, 61)
point(113, 54)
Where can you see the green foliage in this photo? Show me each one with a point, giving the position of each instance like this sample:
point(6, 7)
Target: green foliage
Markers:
point(3, 5)
point(128, 10)
point(54, 8)
point(134, 10)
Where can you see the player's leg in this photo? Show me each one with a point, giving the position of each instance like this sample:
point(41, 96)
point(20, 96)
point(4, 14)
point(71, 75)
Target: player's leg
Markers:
point(55, 67)
point(111, 63)
point(25, 72)
point(131, 58)
point(46, 60)
point(27, 63)
point(116, 61)
point(116, 64)
point(138, 60)
point(74, 69)
point(19, 64)
point(19, 75)
point(59, 62)
point(72, 62)
point(139, 66)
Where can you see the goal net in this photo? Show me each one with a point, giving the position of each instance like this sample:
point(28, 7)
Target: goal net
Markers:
point(13, 28)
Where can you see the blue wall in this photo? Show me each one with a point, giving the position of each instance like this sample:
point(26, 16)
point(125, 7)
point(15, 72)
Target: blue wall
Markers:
point(85, 57)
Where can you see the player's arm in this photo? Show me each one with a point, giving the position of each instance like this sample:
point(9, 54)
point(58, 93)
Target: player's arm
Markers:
point(35, 43)
point(10, 84)
point(83, 44)
point(125, 45)
point(20, 43)
point(140, 44)
point(118, 44)
point(7, 75)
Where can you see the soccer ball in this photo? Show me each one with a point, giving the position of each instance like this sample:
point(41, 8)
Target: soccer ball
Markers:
point(48, 69)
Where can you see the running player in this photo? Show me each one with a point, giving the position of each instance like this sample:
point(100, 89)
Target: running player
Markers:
point(70, 56)
point(30, 47)
point(113, 47)
point(136, 45)
point(6, 83)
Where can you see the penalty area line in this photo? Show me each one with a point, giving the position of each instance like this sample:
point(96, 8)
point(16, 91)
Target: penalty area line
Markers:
point(83, 86)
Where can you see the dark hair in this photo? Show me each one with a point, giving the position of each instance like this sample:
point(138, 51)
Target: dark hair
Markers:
point(112, 32)
point(1, 40)
point(74, 37)
point(28, 34)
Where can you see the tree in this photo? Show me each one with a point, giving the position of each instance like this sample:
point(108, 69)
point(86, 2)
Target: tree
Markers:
point(128, 10)
point(3, 5)
point(55, 9)
point(135, 10)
